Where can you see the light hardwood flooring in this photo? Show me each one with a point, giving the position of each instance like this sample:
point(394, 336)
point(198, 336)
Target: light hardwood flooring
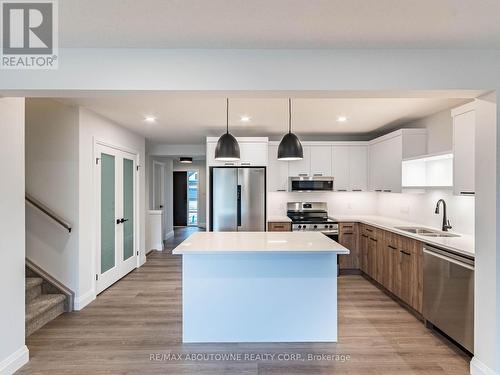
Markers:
point(141, 315)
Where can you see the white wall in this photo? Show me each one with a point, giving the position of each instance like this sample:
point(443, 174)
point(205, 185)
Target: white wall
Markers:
point(339, 203)
point(201, 167)
point(419, 208)
point(96, 128)
point(439, 131)
point(52, 178)
point(13, 351)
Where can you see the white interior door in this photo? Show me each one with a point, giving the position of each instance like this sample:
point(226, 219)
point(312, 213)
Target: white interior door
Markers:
point(117, 215)
point(159, 176)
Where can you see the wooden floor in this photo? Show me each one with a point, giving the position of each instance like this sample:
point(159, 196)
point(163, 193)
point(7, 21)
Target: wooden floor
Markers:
point(141, 315)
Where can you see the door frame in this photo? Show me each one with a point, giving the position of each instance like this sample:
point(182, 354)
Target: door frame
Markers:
point(163, 177)
point(97, 186)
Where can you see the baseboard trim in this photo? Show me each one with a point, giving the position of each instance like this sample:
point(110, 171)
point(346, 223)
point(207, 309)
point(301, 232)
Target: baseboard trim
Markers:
point(15, 361)
point(479, 368)
point(84, 300)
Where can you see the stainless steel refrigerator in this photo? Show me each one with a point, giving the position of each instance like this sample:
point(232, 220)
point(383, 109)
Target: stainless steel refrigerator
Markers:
point(238, 199)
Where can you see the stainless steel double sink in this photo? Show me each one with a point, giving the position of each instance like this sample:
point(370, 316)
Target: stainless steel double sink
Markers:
point(427, 232)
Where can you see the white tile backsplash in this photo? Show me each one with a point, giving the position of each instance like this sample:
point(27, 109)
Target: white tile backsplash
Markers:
point(413, 207)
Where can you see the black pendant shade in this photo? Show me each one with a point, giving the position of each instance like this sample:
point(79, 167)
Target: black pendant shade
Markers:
point(290, 147)
point(227, 146)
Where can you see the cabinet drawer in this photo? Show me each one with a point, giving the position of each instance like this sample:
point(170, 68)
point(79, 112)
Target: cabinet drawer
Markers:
point(347, 228)
point(279, 227)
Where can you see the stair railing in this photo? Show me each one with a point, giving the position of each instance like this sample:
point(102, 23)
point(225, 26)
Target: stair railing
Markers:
point(47, 211)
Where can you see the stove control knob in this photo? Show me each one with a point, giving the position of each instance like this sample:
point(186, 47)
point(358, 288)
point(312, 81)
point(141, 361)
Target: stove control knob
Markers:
point(315, 226)
point(331, 226)
point(300, 226)
point(305, 226)
point(326, 226)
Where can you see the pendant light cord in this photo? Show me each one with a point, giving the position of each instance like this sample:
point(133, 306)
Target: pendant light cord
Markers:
point(227, 115)
point(289, 115)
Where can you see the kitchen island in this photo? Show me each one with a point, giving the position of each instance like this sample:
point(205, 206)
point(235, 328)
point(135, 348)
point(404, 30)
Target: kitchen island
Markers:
point(259, 287)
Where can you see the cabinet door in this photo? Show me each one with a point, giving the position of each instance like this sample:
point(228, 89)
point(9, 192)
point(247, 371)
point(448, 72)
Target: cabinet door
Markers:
point(340, 163)
point(301, 167)
point(376, 169)
point(363, 250)
point(358, 168)
point(253, 153)
point(277, 171)
point(321, 160)
point(392, 164)
point(279, 227)
point(348, 238)
point(390, 249)
point(463, 153)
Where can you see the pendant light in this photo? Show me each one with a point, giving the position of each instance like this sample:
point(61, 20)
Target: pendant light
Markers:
point(227, 146)
point(290, 147)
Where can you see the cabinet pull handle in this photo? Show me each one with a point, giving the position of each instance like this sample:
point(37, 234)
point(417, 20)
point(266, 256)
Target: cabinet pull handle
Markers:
point(303, 175)
point(373, 239)
point(245, 163)
point(405, 252)
point(357, 190)
point(341, 190)
point(387, 191)
point(391, 247)
point(318, 174)
point(364, 235)
point(281, 190)
point(227, 163)
point(369, 230)
point(467, 193)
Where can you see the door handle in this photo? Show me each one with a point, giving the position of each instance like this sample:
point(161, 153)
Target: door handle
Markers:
point(121, 221)
point(238, 206)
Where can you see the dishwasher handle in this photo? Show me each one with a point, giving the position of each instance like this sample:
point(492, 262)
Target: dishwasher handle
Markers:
point(449, 259)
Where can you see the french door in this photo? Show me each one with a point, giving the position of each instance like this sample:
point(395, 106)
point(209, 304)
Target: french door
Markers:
point(117, 214)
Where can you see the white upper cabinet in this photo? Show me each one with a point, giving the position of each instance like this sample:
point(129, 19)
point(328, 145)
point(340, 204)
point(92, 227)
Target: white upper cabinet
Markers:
point(358, 168)
point(299, 168)
point(341, 166)
point(464, 125)
point(253, 152)
point(386, 156)
point(277, 171)
point(321, 160)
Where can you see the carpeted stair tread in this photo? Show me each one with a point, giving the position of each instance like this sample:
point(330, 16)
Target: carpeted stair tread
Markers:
point(32, 282)
point(41, 304)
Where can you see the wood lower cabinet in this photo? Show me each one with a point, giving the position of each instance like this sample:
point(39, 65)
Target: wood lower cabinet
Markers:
point(274, 226)
point(394, 261)
point(348, 237)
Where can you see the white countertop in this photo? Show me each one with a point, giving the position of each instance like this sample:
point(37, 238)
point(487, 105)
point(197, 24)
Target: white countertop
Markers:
point(463, 244)
point(279, 219)
point(254, 242)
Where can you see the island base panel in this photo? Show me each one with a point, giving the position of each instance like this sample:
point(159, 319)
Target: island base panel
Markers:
point(255, 297)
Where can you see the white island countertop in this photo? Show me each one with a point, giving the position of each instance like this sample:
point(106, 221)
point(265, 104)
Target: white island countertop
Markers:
point(255, 242)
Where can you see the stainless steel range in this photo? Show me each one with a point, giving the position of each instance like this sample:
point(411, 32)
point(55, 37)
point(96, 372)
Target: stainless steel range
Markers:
point(312, 216)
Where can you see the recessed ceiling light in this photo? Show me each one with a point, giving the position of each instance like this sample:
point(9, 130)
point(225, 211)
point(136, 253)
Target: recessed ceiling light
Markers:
point(150, 119)
point(341, 118)
point(245, 118)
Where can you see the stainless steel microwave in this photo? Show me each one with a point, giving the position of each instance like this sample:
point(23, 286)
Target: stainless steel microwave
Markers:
point(310, 184)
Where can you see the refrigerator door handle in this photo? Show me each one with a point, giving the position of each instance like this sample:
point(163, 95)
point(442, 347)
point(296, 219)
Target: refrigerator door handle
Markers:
point(238, 206)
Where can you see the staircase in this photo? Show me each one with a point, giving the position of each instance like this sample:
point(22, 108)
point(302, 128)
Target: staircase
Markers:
point(43, 302)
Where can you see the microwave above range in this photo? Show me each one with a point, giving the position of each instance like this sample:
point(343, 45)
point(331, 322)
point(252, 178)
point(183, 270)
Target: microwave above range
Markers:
point(310, 184)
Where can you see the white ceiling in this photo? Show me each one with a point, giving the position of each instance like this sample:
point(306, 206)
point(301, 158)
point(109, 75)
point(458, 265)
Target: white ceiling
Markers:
point(185, 119)
point(280, 23)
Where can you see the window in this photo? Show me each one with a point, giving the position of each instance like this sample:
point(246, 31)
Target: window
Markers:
point(192, 177)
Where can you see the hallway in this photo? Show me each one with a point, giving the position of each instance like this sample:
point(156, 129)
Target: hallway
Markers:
point(140, 316)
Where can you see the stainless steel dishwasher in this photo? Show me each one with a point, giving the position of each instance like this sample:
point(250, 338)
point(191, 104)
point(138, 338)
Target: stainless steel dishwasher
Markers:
point(449, 294)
